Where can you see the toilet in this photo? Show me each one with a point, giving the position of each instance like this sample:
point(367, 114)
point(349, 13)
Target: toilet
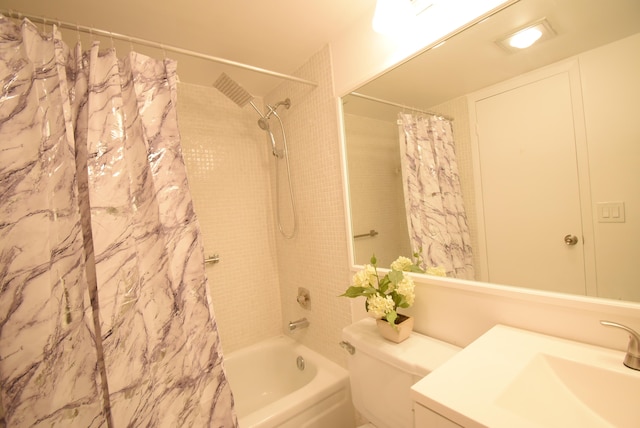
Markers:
point(382, 372)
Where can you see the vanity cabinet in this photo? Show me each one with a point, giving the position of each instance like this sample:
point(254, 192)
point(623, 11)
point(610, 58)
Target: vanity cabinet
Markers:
point(426, 418)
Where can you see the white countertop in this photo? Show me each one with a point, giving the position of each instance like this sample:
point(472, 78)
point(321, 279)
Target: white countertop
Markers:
point(519, 379)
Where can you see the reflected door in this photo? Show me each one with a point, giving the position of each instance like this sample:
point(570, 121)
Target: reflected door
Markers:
point(526, 153)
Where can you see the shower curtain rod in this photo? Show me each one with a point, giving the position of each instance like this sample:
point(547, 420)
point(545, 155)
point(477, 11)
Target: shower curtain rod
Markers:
point(131, 39)
point(380, 100)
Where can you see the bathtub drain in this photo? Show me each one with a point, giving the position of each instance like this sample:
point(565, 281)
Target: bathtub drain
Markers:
point(300, 362)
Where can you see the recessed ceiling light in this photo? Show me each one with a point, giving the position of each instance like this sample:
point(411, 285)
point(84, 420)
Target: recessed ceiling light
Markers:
point(526, 36)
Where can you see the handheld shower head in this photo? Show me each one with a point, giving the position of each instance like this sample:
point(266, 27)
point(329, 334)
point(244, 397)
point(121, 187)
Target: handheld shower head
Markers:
point(263, 123)
point(274, 149)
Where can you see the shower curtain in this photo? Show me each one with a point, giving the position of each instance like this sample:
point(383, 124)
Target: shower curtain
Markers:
point(104, 313)
point(433, 199)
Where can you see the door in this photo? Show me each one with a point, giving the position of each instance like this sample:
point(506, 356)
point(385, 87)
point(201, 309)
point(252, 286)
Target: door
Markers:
point(526, 153)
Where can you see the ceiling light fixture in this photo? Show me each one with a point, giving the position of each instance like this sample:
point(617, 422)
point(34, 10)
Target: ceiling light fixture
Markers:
point(526, 36)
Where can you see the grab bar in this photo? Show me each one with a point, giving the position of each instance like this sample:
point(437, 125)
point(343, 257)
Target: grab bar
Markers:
point(212, 259)
point(371, 233)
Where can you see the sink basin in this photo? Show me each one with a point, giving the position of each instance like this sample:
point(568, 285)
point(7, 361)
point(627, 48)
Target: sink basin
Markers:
point(587, 394)
point(516, 378)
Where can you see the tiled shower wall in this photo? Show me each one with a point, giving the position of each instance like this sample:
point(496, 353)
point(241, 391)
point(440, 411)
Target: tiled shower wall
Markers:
point(228, 169)
point(377, 197)
point(316, 258)
point(232, 179)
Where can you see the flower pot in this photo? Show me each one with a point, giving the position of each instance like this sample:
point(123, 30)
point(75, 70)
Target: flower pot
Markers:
point(402, 330)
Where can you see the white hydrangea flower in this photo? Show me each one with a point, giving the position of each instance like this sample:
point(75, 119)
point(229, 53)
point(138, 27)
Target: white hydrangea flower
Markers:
point(401, 263)
point(379, 306)
point(406, 288)
point(436, 270)
point(365, 278)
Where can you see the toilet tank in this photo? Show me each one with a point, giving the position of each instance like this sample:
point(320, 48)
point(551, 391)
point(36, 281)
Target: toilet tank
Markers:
point(382, 372)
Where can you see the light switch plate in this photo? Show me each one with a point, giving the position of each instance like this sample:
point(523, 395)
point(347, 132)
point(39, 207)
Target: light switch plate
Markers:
point(610, 212)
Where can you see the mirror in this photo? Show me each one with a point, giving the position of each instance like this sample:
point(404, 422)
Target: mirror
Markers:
point(593, 51)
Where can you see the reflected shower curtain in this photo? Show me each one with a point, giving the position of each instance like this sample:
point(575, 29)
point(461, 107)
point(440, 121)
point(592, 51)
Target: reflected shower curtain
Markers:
point(433, 199)
point(104, 317)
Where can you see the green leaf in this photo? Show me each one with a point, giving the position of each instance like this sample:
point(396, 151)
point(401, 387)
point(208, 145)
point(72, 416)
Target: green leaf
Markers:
point(395, 276)
point(355, 292)
point(383, 284)
point(391, 318)
point(397, 298)
point(368, 291)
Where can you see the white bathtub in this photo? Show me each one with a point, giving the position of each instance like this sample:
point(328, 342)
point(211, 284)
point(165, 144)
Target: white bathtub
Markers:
point(270, 391)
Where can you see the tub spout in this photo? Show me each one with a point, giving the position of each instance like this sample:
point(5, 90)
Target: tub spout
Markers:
point(301, 323)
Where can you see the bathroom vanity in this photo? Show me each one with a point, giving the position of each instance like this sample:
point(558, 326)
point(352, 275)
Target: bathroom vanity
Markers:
point(516, 378)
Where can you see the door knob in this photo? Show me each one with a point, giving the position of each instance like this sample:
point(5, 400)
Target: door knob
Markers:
point(571, 240)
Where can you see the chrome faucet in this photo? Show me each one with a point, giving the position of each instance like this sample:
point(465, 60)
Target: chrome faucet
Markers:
point(632, 358)
point(301, 323)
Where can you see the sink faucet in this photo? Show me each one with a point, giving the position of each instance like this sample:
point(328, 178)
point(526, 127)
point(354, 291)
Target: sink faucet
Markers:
point(632, 359)
point(301, 323)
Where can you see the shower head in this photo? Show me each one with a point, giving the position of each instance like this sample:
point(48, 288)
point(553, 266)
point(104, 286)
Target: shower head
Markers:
point(241, 97)
point(263, 123)
point(235, 93)
point(232, 90)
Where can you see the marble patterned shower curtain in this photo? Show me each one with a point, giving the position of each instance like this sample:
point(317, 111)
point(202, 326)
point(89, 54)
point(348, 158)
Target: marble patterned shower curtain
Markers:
point(433, 198)
point(104, 313)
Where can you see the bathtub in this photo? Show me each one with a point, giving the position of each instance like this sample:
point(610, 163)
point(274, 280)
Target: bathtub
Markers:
point(270, 390)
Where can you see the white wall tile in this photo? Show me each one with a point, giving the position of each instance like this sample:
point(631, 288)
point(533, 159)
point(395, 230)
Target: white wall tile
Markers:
point(227, 167)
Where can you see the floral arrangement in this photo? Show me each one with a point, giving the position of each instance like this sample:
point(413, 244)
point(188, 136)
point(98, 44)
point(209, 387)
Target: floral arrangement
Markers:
point(394, 290)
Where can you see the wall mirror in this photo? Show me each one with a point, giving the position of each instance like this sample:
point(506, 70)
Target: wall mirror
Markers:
point(550, 186)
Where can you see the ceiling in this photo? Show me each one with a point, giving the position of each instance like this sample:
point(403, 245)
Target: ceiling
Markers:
point(472, 59)
point(279, 35)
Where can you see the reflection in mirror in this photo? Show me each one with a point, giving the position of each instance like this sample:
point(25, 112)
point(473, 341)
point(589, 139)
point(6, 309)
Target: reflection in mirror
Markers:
point(546, 142)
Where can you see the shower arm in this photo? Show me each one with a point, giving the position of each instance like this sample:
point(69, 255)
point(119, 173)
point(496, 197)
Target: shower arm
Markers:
point(272, 108)
point(258, 110)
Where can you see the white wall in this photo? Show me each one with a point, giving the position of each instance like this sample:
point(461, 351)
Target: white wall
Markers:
point(611, 96)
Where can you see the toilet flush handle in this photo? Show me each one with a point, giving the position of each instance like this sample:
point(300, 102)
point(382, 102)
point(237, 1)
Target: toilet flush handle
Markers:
point(349, 347)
